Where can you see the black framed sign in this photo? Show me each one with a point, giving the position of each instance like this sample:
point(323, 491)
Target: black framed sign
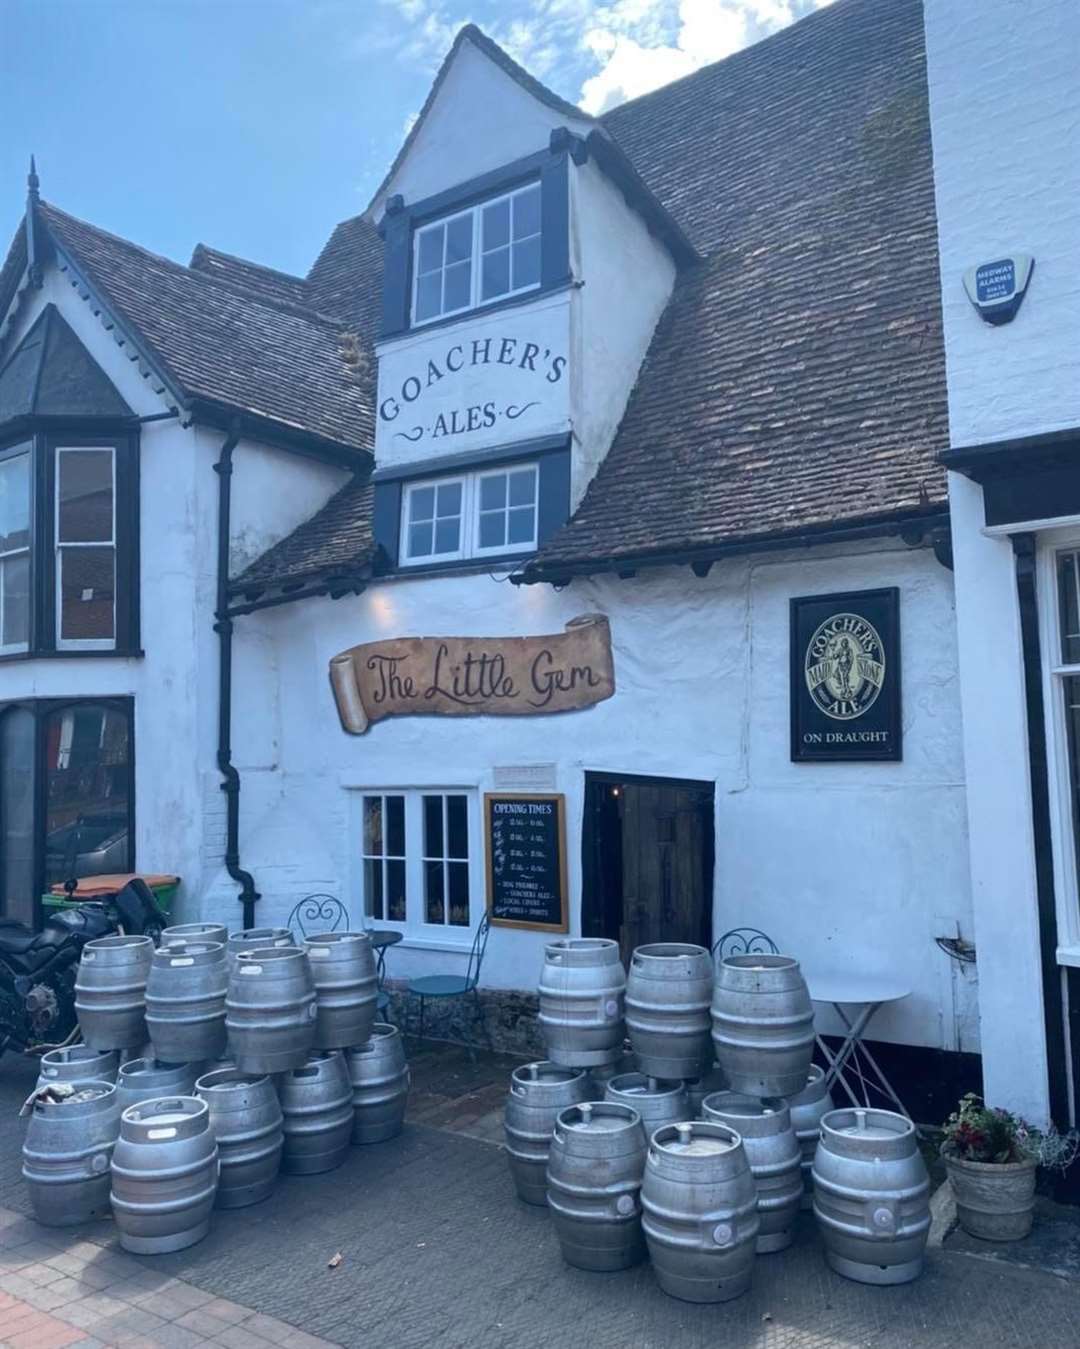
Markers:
point(845, 676)
point(526, 860)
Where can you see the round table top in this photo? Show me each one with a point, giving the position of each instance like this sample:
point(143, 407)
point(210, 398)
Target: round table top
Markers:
point(384, 936)
point(854, 988)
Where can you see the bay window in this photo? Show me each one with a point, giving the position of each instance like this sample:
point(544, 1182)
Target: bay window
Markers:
point(417, 869)
point(15, 547)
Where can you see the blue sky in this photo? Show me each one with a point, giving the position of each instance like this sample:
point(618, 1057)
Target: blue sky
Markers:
point(256, 125)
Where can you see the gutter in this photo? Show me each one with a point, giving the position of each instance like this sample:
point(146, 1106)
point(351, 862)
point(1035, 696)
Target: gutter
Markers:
point(223, 626)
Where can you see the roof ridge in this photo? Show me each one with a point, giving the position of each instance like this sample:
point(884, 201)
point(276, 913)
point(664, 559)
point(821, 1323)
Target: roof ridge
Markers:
point(247, 262)
point(204, 278)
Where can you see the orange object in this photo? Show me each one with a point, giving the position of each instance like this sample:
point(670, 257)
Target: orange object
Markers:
point(94, 887)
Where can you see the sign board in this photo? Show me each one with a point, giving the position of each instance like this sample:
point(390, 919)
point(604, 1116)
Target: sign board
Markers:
point(845, 677)
point(473, 676)
point(997, 288)
point(481, 383)
point(526, 861)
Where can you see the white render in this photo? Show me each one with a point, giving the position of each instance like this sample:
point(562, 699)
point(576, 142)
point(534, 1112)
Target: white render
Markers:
point(1007, 180)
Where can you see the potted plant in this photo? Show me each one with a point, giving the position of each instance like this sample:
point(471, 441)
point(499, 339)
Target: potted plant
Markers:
point(991, 1156)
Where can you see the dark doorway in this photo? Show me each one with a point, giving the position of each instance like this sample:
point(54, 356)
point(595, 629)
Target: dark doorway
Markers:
point(647, 860)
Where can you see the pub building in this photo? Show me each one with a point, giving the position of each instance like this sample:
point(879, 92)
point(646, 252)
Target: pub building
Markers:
point(577, 540)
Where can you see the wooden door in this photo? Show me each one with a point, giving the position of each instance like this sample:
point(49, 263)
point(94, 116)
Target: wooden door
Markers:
point(666, 850)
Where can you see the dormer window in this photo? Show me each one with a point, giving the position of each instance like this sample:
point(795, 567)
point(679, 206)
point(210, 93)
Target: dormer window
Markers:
point(474, 515)
point(476, 256)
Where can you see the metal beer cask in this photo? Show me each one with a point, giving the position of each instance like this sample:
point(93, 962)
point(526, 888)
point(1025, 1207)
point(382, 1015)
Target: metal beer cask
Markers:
point(185, 1001)
point(763, 1024)
point(255, 939)
point(270, 1010)
point(164, 1175)
point(343, 967)
point(78, 1063)
point(195, 932)
point(697, 1088)
point(668, 992)
point(110, 991)
point(594, 1185)
point(774, 1155)
point(245, 1115)
point(538, 1093)
point(317, 1106)
point(66, 1155)
point(380, 1085)
point(871, 1196)
point(582, 991)
point(701, 1221)
point(600, 1074)
point(143, 1079)
point(656, 1101)
point(807, 1110)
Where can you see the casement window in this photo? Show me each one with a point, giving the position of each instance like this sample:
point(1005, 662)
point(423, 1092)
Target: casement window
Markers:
point(476, 256)
point(66, 795)
point(417, 860)
point(475, 515)
point(69, 546)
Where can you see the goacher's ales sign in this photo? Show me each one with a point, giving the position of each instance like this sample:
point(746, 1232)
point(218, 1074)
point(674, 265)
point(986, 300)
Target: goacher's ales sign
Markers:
point(471, 676)
point(845, 676)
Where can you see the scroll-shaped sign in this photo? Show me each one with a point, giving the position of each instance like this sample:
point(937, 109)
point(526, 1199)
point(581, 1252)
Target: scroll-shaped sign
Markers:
point(474, 676)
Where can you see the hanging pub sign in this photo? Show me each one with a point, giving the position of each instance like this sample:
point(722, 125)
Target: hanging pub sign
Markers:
point(526, 861)
point(845, 676)
point(474, 676)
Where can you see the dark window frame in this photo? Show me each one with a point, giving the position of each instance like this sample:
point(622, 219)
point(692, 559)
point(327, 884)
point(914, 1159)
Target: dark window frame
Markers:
point(44, 446)
point(41, 709)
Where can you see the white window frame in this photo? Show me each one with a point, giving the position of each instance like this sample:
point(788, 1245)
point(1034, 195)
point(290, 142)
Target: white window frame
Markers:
point(12, 648)
point(381, 858)
point(82, 643)
point(476, 300)
point(1055, 672)
point(470, 549)
point(416, 930)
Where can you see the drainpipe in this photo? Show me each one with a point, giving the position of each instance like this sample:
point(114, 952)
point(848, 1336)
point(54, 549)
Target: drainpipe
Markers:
point(223, 626)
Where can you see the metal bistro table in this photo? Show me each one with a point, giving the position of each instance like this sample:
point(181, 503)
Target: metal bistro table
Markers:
point(853, 1062)
point(381, 939)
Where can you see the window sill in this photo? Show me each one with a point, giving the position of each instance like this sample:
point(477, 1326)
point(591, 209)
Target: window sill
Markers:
point(110, 654)
point(433, 944)
point(1069, 955)
point(467, 567)
point(480, 312)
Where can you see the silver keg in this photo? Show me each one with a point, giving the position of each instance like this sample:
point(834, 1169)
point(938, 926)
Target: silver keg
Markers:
point(582, 992)
point(164, 1175)
point(255, 939)
point(539, 1092)
point(764, 1125)
point(668, 994)
point(346, 987)
point(701, 1221)
point(871, 1196)
point(697, 1088)
point(67, 1151)
point(380, 1084)
point(143, 1079)
point(270, 1009)
point(185, 1001)
point(195, 932)
point(808, 1107)
point(110, 991)
point(657, 1101)
point(78, 1063)
point(594, 1185)
point(317, 1105)
point(246, 1118)
point(763, 1024)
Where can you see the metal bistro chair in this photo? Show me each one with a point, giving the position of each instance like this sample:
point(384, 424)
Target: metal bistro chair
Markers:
point(744, 941)
point(319, 913)
point(456, 985)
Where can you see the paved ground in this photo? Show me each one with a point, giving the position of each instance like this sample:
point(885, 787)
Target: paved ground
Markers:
point(438, 1252)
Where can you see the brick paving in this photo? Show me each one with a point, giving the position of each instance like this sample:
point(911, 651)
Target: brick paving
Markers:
point(437, 1251)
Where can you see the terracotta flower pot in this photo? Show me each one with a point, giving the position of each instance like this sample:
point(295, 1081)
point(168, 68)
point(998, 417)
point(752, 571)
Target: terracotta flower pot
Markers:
point(994, 1200)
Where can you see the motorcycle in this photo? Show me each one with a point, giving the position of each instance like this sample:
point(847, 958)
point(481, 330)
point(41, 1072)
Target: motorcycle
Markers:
point(37, 969)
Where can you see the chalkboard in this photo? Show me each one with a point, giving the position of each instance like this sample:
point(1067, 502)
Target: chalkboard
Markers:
point(526, 861)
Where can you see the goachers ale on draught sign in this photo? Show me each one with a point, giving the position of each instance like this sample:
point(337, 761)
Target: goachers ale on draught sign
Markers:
point(526, 861)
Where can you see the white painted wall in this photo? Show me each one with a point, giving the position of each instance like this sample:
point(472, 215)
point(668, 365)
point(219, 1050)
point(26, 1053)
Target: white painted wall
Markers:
point(850, 866)
point(1007, 179)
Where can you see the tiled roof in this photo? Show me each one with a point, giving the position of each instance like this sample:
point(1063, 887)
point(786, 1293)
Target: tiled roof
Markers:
point(336, 540)
point(224, 345)
point(266, 282)
point(346, 279)
point(797, 379)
